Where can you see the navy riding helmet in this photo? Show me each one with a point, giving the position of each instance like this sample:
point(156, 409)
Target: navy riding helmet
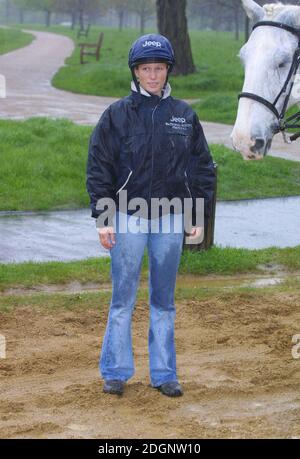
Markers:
point(150, 48)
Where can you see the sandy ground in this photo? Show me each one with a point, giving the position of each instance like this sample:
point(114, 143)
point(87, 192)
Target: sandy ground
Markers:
point(234, 361)
point(29, 71)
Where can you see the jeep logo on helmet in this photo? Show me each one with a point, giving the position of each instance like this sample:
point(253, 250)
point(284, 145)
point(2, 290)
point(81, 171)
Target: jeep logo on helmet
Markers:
point(152, 43)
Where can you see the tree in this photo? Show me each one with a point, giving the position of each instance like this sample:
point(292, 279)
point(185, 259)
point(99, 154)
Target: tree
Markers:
point(144, 9)
point(48, 6)
point(22, 5)
point(235, 8)
point(172, 23)
point(121, 8)
point(80, 9)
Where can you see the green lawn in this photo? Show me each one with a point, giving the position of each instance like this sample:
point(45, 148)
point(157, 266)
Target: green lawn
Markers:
point(43, 167)
point(216, 260)
point(216, 82)
point(11, 39)
point(110, 76)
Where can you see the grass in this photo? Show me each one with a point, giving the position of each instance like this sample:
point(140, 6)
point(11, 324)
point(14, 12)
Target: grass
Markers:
point(239, 179)
point(216, 260)
point(220, 107)
point(110, 76)
point(43, 167)
point(43, 164)
point(47, 302)
point(11, 39)
point(216, 83)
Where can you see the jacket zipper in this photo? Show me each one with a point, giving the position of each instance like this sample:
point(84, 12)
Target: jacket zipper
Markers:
point(124, 184)
point(187, 185)
point(152, 117)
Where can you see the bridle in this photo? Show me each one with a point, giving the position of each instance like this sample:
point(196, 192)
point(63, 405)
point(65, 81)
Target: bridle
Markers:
point(290, 122)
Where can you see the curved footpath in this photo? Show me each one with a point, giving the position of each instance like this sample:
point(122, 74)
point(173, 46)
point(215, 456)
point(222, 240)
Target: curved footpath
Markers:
point(28, 72)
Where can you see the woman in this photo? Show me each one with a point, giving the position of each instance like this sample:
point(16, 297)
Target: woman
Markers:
point(149, 146)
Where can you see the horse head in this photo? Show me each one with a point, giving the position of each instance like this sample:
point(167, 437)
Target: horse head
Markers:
point(268, 58)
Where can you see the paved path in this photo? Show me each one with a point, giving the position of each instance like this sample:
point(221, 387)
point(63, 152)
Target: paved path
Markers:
point(29, 70)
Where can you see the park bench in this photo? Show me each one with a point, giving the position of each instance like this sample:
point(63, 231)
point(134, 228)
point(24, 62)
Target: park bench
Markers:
point(84, 31)
point(91, 49)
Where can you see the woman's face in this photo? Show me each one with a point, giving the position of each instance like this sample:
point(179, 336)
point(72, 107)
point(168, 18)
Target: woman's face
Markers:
point(152, 77)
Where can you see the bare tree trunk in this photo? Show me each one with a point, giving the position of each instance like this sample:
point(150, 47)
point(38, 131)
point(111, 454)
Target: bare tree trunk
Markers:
point(21, 16)
point(236, 23)
point(143, 22)
point(247, 26)
point(172, 23)
point(121, 19)
point(215, 20)
point(73, 19)
point(81, 19)
point(7, 10)
point(48, 18)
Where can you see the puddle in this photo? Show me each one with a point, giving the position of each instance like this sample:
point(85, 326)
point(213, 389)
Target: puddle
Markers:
point(264, 282)
point(183, 281)
point(71, 234)
point(258, 223)
point(234, 410)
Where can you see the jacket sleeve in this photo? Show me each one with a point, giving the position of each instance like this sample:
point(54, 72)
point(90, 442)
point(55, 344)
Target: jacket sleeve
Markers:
point(101, 163)
point(200, 171)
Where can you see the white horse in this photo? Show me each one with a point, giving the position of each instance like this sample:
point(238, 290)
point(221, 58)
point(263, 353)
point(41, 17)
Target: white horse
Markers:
point(268, 58)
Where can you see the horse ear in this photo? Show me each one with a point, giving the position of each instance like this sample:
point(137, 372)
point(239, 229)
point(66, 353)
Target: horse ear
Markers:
point(254, 11)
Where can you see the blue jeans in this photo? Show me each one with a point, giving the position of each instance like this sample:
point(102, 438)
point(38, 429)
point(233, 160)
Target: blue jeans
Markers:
point(164, 252)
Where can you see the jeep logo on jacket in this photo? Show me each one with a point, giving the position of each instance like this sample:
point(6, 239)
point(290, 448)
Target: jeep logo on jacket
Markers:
point(151, 147)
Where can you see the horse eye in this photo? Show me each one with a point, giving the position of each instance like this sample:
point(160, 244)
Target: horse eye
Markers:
point(284, 63)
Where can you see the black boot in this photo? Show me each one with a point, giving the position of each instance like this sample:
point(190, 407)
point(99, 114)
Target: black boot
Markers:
point(113, 386)
point(171, 389)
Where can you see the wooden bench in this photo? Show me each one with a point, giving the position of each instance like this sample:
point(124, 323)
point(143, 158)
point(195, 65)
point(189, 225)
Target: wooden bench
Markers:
point(84, 31)
point(85, 49)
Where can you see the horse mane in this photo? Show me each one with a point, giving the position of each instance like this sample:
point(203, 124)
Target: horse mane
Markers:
point(290, 13)
point(272, 9)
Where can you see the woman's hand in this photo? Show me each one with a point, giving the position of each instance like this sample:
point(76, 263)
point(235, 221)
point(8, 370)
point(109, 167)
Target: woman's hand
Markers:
point(195, 232)
point(107, 236)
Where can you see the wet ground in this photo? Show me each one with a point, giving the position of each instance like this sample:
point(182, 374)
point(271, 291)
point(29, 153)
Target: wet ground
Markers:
point(275, 276)
point(258, 223)
point(234, 361)
point(233, 350)
point(71, 235)
point(29, 70)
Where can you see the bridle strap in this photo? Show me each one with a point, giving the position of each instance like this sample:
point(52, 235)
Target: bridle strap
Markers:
point(292, 72)
point(263, 101)
point(279, 25)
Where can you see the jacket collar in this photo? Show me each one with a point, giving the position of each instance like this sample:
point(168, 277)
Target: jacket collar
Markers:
point(143, 92)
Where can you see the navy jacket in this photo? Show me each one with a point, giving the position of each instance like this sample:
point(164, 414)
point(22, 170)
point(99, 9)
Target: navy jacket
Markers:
point(150, 147)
